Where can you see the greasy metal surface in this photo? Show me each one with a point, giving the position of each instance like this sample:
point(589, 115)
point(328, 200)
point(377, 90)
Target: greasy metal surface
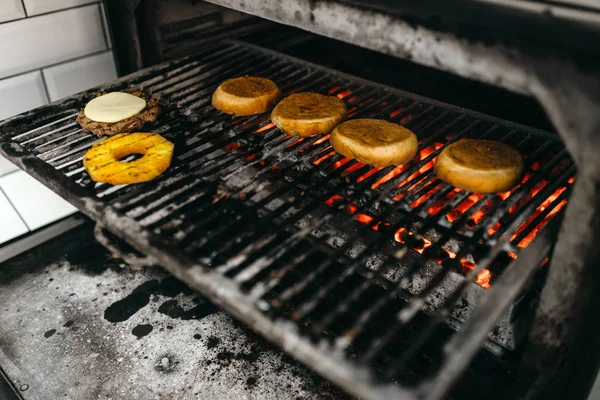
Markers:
point(78, 324)
point(494, 63)
point(240, 215)
point(572, 281)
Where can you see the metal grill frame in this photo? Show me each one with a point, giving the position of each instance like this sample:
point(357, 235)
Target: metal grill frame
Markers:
point(227, 294)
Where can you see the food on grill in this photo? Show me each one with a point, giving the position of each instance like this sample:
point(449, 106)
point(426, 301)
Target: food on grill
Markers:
point(375, 142)
point(118, 112)
point(308, 114)
point(480, 166)
point(102, 161)
point(245, 95)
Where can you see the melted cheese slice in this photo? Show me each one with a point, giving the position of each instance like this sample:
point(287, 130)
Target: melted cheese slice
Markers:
point(114, 107)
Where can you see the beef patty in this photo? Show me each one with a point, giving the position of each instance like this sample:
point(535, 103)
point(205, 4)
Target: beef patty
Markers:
point(148, 115)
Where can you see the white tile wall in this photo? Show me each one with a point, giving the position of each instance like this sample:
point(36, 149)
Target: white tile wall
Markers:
point(51, 38)
point(11, 224)
point(11, 9)
point(6, 166)
point(35, 7)
point(69, 78)
point(36, 204)
point(50, 49)
point(21, 93)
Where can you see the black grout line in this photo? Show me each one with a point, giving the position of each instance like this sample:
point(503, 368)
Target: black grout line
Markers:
point(45, 86)
point(24, 8)
point(104, 22)
point(96, 53)
point(11, 172)
point(14, 208)
point(49, 12)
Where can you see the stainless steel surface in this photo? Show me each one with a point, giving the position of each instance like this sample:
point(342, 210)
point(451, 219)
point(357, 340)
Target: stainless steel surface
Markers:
point(241, 178)
point(496, 63)
point(57, 340)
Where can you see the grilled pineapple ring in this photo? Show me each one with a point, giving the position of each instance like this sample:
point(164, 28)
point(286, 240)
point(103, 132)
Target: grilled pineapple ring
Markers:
point(102, 161)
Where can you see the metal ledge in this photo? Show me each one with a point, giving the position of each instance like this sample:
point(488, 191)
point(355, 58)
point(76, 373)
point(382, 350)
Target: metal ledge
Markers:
point(495, 64)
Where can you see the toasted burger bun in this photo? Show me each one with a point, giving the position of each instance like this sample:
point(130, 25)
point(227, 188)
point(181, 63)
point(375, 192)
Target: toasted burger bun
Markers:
point(480, 166)
point(308, 114)
point(246, 95)
point(375, 142)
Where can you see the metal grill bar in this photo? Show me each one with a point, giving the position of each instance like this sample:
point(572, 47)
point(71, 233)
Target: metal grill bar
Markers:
point(303, 244)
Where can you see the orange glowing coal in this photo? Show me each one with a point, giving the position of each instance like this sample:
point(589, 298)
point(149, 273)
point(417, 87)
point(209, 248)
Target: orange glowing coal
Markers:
point(423, 154)
point(401, 235)
point(483, 278)
point(395, 113)
point(232, 146)
point(527, 239)
point(345, 93)
point(265, 128)
point(323, 158)
point(351, 209)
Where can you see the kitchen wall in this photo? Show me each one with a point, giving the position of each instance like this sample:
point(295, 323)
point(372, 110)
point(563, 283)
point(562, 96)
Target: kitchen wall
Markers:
point(50, 49)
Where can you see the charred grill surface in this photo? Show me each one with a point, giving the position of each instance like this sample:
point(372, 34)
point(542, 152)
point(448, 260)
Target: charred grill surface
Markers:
point(348, 267)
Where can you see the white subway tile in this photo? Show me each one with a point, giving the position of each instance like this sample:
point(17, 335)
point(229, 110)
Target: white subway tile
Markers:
point(21, 93)
point(6, 166)
point(11, 224)
point(11, 9)
point(36, 204)
point(73, 77)
point(49, 39)
point(35, 7)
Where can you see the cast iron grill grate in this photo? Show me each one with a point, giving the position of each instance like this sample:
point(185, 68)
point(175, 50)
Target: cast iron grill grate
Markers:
point(350, 268)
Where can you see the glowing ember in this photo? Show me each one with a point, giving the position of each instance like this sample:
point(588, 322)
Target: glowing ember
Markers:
point(368, 174)
point(556, 209)
point(353, 168)
point(390, 175)
point(483, 277)
point(323, 158)
point(396, 112)
point(265, 128)
point(421, 178)
point(351, 209)
point(464, 206)
point(232, 146)
point(321, 140)
point(345, 93)
point(333, 90)
point(343, 161)
point(300, 140)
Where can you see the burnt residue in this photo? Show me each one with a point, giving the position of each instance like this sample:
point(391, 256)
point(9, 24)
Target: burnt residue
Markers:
point(202, 309)
point(171, 287)
point(90, 257)
point(49, 333)
point(141, 330)
point(251, 381)
point(123, 309)
point(68, 324)
point(167, 287)
point(225, 357)
point(212, 342)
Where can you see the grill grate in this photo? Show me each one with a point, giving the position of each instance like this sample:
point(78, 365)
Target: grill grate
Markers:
point(349, 267)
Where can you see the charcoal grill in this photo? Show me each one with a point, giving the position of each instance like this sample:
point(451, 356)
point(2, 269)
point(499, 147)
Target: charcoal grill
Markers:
point(364, 274)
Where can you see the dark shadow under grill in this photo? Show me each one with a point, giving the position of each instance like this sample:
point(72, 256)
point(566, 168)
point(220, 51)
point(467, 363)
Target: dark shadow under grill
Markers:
point(322, 254)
